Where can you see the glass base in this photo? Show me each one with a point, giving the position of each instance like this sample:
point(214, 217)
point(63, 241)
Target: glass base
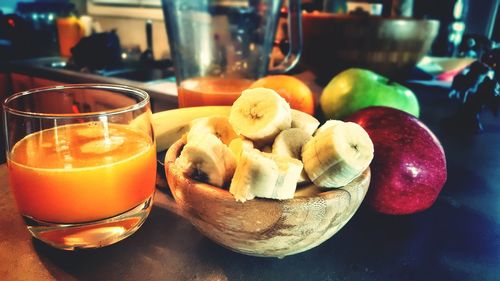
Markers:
point(89, 235)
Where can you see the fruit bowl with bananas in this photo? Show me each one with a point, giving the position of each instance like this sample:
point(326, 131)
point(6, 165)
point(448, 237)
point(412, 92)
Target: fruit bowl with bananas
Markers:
point(261, 178)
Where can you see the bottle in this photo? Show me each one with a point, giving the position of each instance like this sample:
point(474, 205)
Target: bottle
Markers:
point(69, 32)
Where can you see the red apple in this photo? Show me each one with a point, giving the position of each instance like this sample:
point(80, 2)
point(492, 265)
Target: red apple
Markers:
point(409, 165)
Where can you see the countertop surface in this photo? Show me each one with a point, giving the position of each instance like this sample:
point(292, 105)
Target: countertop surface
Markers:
point(160, 90)
point(458, 238)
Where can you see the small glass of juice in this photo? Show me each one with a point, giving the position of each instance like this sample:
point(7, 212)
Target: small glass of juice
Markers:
point(82, 162)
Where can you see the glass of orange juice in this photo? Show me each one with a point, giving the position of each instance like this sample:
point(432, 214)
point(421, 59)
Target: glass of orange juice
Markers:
point(82, 162)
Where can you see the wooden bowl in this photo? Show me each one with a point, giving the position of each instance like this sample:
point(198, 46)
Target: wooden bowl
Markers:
point(389, 46)
point(263, 227)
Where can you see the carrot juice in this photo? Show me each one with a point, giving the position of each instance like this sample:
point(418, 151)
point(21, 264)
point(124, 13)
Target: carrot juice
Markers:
point(211, 91)
point(82, 172)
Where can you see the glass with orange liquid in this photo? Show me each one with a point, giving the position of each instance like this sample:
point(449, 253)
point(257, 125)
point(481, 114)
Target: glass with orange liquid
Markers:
point(82, 162)
point(219, 47)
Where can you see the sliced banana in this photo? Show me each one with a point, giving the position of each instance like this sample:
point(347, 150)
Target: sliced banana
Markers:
point(304, 121)
point(289, 143)
point(328, 124)
point(215, 125)
point(265, 175)
point(260, 114)
point(337, 155)
point(237, 145)
point(206, 159)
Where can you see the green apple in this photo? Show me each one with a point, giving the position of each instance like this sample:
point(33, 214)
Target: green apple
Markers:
point(355, 88)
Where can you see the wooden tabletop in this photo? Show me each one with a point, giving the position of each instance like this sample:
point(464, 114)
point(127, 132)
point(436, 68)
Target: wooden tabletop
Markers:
point(18, 258)
point(458, 238)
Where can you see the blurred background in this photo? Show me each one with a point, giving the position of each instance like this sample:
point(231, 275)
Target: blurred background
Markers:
point(458, 18)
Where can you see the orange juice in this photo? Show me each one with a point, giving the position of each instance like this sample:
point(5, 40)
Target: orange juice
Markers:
point(82, 172)
point(211, 91)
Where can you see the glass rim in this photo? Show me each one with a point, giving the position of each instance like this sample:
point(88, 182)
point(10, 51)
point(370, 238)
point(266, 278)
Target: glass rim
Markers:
point(113, 87)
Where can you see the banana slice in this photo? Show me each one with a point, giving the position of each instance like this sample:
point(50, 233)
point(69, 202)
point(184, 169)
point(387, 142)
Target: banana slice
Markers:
point(265, 175)
point(337, 155)
point(260, 114)
point(215, 125)
point(239, 144)
point(304, 121)
point(328, 124)
point(206, 159)
point(289, 143)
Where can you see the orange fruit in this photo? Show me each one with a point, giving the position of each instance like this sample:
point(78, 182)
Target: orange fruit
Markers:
point(294, 91)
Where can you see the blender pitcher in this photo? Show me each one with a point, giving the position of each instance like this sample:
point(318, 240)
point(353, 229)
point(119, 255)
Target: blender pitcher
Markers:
point(219, 47)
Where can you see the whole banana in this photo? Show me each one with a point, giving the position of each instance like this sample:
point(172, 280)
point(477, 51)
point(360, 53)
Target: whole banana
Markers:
point(170, 125)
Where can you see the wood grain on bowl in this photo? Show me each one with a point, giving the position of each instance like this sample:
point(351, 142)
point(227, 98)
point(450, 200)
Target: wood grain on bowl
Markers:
point(263, 227)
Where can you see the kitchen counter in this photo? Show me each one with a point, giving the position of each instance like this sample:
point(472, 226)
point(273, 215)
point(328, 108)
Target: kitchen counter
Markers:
point(162, 92)
point(458, 238)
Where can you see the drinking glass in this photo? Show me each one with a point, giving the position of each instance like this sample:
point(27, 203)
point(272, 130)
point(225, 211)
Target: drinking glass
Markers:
point(82, 162)
point(219, 47)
